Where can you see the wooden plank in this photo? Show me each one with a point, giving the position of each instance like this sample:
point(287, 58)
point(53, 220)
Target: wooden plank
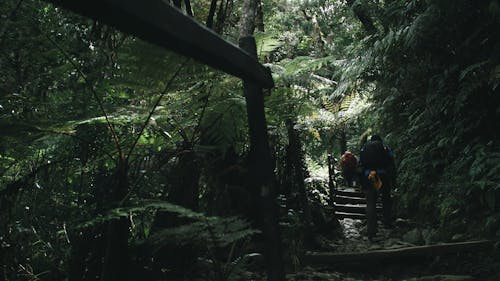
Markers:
point(162, 24)
point(349, 200)
point(397, 254)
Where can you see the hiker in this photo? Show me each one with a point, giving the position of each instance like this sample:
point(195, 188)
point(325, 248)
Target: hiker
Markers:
point(377, 177)
point(348, 165)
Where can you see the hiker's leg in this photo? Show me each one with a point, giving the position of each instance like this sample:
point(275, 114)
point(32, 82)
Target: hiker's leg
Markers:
point(347, 177)
point(371, 201)
point(386, 201)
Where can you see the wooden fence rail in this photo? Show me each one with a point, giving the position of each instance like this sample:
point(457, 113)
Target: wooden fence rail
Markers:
point(162, 24)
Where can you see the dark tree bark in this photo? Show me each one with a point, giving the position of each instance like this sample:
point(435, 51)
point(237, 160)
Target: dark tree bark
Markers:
point(259, 17)
point(221, 16)
point(189, 10)
point(211, 13)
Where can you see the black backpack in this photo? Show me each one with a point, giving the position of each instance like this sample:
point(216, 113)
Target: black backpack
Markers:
point(374, 155)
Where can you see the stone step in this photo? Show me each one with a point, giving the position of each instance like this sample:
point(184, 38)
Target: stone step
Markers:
point(349, 200)
point(340, 216)
point(349, 193)
point(354, 209)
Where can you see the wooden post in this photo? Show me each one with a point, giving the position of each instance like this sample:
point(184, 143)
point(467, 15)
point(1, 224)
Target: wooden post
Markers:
point(261, 170)
point(331, 182)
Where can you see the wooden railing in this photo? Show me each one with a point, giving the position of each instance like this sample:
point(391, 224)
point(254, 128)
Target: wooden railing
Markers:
point(162, 24)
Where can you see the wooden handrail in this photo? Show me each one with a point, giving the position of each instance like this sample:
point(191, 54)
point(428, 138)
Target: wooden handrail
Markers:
point(162, 24)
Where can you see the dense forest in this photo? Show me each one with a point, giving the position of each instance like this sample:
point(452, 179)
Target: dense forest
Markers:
point(123, 160)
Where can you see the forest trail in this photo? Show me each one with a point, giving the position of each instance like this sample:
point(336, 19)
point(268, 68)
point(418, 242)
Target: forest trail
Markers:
point(180, 140)
point(394, 254)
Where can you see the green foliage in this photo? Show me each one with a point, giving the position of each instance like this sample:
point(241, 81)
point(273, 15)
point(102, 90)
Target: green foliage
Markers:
point(434, 99)
point(73, 94)
point(76, 96)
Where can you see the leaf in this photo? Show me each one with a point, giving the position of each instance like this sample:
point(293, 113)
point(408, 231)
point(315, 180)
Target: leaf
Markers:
point(471, 68)
point(267, 42)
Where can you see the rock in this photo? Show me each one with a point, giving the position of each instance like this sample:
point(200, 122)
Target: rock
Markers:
point(413, 236)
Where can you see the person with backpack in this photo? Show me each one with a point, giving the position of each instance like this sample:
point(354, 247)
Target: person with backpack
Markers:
point(378, 173)
point(349, 165)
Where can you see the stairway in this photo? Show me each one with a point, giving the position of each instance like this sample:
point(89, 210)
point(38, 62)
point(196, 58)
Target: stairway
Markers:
point(350, 203)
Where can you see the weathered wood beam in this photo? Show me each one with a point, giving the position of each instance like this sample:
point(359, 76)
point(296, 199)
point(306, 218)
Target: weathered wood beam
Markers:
point(162, 24)
point(397, 254)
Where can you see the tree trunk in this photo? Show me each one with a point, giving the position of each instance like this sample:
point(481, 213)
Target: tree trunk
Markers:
point(221, 16)
point(259, 20)
point(247, 23)
point(211, 13)
point(189, 10)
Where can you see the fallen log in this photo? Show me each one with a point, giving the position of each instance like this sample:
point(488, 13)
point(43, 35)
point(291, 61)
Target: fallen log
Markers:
point(396, 254)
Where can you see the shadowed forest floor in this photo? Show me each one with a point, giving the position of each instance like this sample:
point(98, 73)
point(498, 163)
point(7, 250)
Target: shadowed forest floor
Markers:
point(351, 238)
